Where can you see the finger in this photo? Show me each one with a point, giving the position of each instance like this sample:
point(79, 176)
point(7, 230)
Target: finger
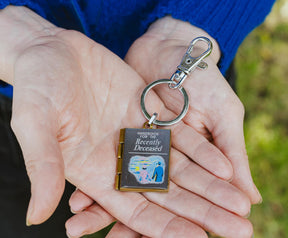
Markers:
point(192, 177)
point(121, 230)
point(200, 150)
point(230, 140)
point(161, 223)
point(79, 201)
point(202, 212)
point(43, 159)
point(91, 220)
point(133, 210)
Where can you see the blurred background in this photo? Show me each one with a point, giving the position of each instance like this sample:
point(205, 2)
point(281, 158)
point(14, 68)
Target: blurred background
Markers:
point(262, 85)
point(262, 70)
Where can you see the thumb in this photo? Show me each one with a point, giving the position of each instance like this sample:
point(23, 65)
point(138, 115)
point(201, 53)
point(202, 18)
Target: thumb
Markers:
point(43, 159)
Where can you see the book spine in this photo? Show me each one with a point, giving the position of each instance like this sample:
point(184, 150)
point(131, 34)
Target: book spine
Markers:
point(119, 159)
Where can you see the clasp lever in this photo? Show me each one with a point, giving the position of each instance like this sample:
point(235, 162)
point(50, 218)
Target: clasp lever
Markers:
point(189, 63)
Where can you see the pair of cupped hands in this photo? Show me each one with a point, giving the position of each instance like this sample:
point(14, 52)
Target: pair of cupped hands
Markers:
point(71, 98)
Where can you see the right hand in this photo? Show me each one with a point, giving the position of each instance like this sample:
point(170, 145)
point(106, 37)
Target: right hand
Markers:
point(71, 97)
point(215, 111)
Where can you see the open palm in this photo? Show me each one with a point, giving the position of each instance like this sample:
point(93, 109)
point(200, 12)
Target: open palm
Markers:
point(67, 112)
point(215, 111)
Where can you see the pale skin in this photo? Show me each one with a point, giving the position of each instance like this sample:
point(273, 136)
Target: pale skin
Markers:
point(217, 116)
point(71, 97)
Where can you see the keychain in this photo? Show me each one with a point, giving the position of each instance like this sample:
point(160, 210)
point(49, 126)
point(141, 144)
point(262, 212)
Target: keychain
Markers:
point(143, 154)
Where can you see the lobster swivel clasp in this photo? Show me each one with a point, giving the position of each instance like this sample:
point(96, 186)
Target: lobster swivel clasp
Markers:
point(189, 63)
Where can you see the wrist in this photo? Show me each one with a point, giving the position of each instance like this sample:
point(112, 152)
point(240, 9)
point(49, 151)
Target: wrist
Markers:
point(20, 28)
point(182, 33)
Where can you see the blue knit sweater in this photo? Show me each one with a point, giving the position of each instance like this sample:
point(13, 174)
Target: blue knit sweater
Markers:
point(117, 23)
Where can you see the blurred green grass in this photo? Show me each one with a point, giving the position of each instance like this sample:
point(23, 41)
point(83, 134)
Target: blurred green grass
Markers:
point(262, 71)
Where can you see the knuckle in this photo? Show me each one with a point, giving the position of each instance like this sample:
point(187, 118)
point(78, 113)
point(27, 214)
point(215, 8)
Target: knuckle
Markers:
point(179, 227)
point(21, 119)
point(140, 208)
point(31, 167)
point(17, 122)
point(240, 107)
point(234, 104)
point(14, 123)
point(209, 186)
point(237, 105)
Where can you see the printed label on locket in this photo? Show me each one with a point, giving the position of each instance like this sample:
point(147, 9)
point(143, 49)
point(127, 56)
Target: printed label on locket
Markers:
point(143, 160)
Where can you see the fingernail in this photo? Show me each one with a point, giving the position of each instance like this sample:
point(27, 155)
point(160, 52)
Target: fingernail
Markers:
point(260, 198)
point(259, 194)
point(72, 211)
point(68, 235)
point(248, 215)
point(76, 234)
point(28, 223)
point(28, 217)
point(29, 212)
point(260, 201)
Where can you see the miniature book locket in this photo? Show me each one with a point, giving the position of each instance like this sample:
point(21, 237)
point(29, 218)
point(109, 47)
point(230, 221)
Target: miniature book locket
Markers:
point(143, 159)
point(143, 154)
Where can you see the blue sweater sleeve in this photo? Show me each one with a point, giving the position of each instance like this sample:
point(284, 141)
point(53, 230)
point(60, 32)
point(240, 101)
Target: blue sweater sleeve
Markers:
point(227, 21)
point(33, 5)
point(5, 89)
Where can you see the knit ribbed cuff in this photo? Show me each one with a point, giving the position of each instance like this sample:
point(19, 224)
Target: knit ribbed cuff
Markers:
point(228, 22)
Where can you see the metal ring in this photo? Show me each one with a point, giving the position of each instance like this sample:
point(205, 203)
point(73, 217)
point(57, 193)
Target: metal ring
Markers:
point(164, 123)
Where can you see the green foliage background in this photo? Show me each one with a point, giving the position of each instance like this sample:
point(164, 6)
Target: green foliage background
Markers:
point(262, 65)
point(262, 71)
